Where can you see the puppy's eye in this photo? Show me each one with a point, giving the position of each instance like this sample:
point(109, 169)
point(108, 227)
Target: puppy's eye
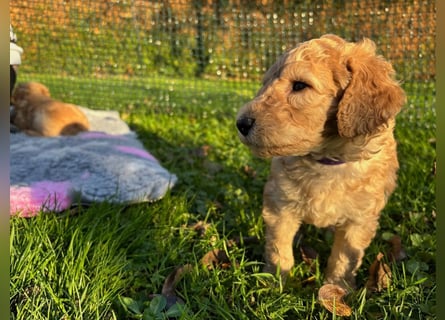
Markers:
point(299, 85)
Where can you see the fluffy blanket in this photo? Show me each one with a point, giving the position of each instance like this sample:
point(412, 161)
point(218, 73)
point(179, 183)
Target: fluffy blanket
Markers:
point(108, 163)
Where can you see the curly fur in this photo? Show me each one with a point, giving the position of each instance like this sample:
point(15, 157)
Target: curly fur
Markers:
point(37, 114)
point(346, 112)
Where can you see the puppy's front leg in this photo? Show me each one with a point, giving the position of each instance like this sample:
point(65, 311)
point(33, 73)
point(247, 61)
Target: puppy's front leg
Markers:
point(350, 242)
point(281, 227)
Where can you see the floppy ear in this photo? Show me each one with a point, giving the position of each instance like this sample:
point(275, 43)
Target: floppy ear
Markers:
point(19, 93)
point(372, 96)
point(44, 91)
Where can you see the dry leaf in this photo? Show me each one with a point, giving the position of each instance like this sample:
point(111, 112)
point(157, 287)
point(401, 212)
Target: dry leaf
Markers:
point(308, 255)
point(200, 227)
point(216, 257)
point(201, 152)
point(249, 171)
point(331, 297)
point(379, 275)
point(397, 253)
point(169, 287)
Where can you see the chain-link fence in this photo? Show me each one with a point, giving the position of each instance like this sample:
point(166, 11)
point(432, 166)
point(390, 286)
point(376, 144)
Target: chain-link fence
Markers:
point(140, 45)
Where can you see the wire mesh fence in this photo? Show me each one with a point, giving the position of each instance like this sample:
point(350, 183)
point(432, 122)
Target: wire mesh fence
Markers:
point(154, 49)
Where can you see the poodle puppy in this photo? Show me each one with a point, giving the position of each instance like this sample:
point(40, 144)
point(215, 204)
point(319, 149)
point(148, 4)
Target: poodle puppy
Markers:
point(325, 114)
point(37, 114)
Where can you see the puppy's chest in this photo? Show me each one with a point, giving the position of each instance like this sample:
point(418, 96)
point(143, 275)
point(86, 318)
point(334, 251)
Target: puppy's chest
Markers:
point(322, 196)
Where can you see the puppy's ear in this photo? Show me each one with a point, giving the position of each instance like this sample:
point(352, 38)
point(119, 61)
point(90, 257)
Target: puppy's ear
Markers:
point(372, 96)
point(45, 91)
point(19, 93)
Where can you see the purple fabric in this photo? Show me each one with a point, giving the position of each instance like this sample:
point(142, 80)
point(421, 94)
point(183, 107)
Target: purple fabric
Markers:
point(137, 152)
point(46, 173)
point(28, 201)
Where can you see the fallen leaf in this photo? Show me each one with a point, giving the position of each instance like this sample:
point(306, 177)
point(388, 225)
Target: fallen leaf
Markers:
point(309, 255)
point(216, 257)
point(331, 297)
point(200, 227)
point(396, 253)
point(201, 152)
point(249, 171)
point(169, 287)
point(379, 275)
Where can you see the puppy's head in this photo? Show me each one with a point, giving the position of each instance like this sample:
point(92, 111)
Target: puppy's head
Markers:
point(25, 91)
point(322, 88)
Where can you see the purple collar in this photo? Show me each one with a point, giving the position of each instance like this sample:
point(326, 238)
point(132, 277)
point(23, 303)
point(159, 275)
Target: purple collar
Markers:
point(330, 161)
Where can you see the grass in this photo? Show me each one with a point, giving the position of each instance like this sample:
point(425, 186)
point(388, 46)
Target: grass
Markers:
point(107, 261)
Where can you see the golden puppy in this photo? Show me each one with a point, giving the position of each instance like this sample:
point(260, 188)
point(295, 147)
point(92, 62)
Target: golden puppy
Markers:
point(36, 113)
point(326, 115)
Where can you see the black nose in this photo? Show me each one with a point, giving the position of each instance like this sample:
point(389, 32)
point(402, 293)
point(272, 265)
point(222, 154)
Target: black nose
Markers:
point(244, 125)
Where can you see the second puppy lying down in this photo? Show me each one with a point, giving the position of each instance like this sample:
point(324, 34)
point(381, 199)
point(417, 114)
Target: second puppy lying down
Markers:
point(37, 114)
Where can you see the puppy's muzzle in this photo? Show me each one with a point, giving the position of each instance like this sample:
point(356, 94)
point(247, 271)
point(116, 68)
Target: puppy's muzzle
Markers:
point(244, 125)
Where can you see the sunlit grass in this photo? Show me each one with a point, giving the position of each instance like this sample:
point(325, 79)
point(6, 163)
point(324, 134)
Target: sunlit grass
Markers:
point(76, 265)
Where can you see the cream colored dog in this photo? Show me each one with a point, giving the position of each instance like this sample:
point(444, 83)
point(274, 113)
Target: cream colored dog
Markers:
point(37, 114)
point(326, 115)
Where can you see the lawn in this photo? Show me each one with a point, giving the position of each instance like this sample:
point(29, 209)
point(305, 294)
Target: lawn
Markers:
point(111, 262)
